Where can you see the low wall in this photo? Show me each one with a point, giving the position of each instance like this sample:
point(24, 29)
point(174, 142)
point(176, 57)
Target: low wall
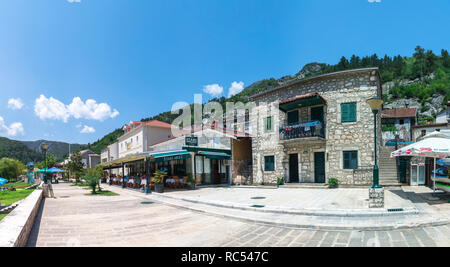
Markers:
point(16, 227)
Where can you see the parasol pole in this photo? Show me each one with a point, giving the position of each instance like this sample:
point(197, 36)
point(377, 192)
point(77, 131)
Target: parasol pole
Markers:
point(434, 180)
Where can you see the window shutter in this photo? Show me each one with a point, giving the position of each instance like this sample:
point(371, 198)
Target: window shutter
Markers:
point(344, 113)
point(268, 123)
point(354, 160)
point(348, 112)
point(352, 112)
point(346, 160)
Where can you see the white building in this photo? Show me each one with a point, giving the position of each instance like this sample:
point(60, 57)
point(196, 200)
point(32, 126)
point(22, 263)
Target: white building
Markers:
point(139, 136)
point(110, 153)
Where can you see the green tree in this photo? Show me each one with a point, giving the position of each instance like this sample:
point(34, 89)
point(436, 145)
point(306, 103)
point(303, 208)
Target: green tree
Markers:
point(92, 179)
point(445, 58)
point(420, 63)
point(50, 162)
point(431, 62)
point(75, 166)
point(10, 169)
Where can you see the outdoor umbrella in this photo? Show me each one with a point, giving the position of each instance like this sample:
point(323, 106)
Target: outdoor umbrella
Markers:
point(44, 170)
point(54, 169)
point(3, 181)
point(434, 145)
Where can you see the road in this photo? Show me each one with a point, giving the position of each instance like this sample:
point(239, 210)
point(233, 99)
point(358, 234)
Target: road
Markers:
point(76, 219)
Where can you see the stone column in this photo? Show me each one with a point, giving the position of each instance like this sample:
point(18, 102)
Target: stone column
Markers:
point(376, 197)
point(286, 168)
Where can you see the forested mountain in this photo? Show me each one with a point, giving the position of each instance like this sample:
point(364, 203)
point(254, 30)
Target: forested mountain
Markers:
point(17, 150)
point(60, 150)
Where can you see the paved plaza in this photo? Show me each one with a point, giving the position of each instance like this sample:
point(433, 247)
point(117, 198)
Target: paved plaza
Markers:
point(131, 219)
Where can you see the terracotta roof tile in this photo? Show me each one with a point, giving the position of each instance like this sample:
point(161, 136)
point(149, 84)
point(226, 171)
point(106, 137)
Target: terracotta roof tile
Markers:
point(399, 113)
point(301, 97)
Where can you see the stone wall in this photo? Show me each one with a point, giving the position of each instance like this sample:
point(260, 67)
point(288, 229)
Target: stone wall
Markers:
point(16, 227)
point(357, 86)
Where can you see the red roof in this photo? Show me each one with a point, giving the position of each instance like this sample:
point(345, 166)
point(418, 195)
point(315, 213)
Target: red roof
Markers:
point(292, 99)
point(186, 132)
point(154, 123)
point(399, 113)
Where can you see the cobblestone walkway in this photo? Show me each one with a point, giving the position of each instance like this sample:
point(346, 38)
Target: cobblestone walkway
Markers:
point(74, 219)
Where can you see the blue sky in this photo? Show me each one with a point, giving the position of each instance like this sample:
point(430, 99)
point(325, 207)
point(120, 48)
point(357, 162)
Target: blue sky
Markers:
point(134, 59)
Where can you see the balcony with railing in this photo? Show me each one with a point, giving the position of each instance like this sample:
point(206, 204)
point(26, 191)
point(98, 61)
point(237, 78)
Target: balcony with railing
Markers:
point(302, 130)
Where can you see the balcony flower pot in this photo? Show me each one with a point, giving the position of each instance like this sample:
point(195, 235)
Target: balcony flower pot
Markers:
point(159, 188)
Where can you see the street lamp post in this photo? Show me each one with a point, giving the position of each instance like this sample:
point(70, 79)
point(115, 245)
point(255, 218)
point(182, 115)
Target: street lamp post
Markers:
point(376, 192)
point(45, 148)
point(375, 104)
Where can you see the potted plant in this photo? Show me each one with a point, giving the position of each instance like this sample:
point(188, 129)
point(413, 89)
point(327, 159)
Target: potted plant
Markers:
point(158, 180)
point(191, 182)
point(333, 183)
point(280, 181)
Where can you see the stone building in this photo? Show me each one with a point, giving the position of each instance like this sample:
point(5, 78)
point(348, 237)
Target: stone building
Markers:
point(316, 128)
point(398, 121)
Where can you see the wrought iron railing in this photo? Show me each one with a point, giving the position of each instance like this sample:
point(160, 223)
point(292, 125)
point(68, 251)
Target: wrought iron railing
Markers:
point(302, 130)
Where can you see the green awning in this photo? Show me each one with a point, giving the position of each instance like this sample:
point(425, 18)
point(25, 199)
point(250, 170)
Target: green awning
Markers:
point(301, 101)
point(214, 155)
point(169, 156)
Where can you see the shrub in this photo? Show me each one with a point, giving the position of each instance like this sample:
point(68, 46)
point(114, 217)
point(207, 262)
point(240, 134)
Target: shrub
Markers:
point(159, 176)
point(10, 169)
point(333, 182)
point(92, 179)
point(280, 180)
point(388, 128)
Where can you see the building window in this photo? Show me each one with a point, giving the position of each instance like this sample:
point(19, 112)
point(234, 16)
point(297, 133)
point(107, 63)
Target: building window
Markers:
point(348, 112)
point(424, 132)
point(268, 124)
point(350, 160)
point(137, 139)
point(269, 163)
point(402, 122)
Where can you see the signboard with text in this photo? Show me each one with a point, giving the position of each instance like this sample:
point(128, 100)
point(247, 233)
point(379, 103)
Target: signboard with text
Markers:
point(191, 141)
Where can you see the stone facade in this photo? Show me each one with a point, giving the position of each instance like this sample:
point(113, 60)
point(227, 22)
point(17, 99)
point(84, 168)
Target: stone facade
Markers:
point(336, 89)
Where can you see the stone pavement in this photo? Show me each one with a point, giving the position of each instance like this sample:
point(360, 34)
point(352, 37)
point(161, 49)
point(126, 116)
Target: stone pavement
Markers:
point(74, 219)
point(239, 204)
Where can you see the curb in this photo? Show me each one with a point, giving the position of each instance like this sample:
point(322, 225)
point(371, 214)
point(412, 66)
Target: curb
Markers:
point(376, 226)
point(333, 213)
point(324, 227)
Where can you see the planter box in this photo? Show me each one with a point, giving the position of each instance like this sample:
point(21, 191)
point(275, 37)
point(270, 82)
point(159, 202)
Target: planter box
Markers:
point(159, 188)
point(191, 186)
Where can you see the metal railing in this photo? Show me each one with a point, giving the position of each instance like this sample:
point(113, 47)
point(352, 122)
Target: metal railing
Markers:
point(302, 130)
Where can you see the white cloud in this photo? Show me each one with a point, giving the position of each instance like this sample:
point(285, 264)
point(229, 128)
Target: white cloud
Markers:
point(87, 130)
point(50, 108)
point(15, 103)
point(372, 1)
point(91, 110)
point(213, 89)
point(236, 88)
point(74, 1)
point(13, 129)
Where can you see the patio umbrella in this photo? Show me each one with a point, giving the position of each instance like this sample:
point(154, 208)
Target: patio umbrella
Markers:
point(44, 170)
point(434, 145)
point(54, 169)
point(3, 181)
